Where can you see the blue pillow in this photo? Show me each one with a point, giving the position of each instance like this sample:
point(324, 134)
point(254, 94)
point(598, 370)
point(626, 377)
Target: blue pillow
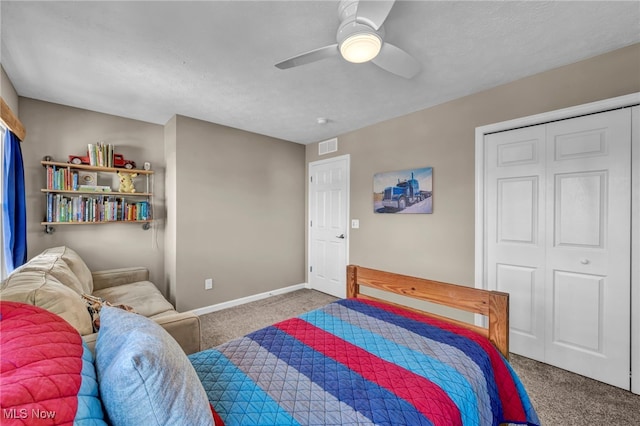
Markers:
point(145, 377)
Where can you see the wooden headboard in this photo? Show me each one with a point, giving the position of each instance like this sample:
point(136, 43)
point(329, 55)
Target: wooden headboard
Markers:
point(492, 304)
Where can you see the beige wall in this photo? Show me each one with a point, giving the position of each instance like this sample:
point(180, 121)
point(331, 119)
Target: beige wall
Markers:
point(8, 92)
point(58, 131)
point(239, 209)
point(441, 245)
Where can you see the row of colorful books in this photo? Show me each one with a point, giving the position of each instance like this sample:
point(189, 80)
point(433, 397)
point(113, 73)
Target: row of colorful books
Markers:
point(62, 178)
point(100, 154)
point(81, 208)
point(67, 179)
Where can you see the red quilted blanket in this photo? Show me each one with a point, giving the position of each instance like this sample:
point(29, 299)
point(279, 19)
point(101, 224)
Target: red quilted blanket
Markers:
point(47, 375)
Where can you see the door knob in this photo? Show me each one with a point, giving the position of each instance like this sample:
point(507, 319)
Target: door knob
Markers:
point(584, 261)
point(341, 236)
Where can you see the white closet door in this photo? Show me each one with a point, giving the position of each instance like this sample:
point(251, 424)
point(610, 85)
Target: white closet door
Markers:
point(515, 192)
point(557, 200)
point(588, 257)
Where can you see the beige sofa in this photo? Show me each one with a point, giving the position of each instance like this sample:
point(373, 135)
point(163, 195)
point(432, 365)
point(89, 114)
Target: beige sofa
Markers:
point(57, 278)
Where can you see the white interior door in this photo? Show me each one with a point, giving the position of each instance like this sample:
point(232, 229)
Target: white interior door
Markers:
point(558, 240)
point(328, 225)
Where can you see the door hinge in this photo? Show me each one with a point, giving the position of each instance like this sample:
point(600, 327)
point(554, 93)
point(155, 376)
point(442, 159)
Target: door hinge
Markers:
point(310, 268)
point(310, 223)
point(311, 179)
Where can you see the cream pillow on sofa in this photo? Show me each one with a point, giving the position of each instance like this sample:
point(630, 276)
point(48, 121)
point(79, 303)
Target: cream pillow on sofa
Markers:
point(76, 264)
point(55, 266)
point(42, 289)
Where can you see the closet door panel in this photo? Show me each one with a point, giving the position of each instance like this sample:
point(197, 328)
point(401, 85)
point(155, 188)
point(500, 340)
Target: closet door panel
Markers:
point(587, 279)
point(580, 209)
point(515, 232)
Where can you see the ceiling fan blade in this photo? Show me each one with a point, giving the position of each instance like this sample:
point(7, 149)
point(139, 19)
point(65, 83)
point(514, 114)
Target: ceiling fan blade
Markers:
point(396, 61)
point(373, 13)
point(308, 57)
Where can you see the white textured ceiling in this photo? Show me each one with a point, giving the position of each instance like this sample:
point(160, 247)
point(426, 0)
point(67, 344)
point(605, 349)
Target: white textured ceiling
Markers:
point(214, 60)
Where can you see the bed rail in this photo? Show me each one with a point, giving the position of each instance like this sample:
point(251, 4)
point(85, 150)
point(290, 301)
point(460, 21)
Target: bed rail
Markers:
point(492, 304)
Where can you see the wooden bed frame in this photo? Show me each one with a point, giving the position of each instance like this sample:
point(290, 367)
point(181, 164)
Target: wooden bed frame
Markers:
point(492, 304)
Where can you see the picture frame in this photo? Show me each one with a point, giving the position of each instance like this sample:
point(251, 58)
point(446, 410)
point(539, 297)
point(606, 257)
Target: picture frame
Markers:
point(407, 191)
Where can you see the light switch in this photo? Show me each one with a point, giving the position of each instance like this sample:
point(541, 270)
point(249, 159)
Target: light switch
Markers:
point(355, 223)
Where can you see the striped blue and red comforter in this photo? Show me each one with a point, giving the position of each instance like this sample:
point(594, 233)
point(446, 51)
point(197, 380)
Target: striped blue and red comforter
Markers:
point(362, 362)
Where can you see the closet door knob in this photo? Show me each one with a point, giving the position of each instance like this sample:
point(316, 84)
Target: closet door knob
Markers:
point(584, 261)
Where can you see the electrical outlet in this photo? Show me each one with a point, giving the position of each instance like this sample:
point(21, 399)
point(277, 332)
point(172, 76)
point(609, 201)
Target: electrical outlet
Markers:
point(208, 284)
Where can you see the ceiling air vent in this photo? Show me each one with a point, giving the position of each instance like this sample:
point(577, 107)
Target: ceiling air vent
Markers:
point(328, 146)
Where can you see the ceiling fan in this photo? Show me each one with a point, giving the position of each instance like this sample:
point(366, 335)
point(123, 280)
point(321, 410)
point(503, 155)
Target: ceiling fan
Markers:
point(360, 38)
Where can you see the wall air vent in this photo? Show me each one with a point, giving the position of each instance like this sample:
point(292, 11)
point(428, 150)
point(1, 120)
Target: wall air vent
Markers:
point(328, 146)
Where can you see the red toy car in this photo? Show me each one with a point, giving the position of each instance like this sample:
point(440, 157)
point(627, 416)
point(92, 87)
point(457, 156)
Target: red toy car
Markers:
point(118, 161)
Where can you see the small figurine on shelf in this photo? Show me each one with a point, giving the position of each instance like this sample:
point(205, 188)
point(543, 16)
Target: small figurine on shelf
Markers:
point(126, 182)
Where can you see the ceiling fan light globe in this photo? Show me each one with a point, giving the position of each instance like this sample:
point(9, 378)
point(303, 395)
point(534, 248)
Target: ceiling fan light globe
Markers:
point(360, 47)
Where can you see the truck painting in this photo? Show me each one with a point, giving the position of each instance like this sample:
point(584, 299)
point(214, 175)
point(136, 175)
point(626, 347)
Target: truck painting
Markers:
point(403, 194)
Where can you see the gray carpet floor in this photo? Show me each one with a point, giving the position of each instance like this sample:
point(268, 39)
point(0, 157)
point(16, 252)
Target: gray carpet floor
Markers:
point(561, 398)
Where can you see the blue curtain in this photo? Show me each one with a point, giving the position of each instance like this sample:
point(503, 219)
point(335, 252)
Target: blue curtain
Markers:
point(14, 209)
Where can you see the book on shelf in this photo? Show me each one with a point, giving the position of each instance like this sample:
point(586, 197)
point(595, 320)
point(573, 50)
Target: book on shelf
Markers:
point(50, 207)
point(100, 154)
point(50, 177)
point(94, 188)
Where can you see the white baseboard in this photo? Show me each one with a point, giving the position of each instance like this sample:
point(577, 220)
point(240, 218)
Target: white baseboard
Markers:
point(243, 300)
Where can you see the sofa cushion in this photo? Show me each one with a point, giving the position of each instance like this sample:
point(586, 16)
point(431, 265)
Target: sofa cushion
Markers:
point(55, 266)
point(144, 376)
point(42, 289)
point(76, 264)
point(143, 296)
